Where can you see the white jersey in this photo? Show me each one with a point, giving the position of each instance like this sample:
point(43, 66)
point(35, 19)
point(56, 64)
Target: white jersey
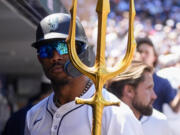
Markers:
point(156, 124)
point(75, 119)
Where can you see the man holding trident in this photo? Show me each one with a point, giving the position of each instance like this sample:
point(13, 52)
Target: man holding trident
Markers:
point(58, 114)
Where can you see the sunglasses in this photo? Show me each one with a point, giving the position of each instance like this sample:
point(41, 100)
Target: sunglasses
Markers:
point(46, 50)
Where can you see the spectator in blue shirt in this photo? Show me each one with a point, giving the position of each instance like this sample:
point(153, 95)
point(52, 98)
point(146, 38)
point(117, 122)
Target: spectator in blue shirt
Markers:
point(163, 89)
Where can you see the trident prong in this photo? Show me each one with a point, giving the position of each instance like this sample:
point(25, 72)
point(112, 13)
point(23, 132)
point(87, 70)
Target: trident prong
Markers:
point(99, 73)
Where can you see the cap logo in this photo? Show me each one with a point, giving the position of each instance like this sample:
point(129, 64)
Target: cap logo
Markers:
point(53, 24)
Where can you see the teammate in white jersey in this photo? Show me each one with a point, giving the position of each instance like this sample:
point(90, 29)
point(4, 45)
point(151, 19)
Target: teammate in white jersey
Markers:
point(135, 88)
point(58, 114)
point(156, 124)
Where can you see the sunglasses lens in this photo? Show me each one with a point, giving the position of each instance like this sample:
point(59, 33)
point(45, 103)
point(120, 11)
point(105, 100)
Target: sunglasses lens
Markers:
point(62, 48)
point(46, 51)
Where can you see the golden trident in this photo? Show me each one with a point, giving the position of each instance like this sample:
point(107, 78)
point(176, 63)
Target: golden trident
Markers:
point(99, 73)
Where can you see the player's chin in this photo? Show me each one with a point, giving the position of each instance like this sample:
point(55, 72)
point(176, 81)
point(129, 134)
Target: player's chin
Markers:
point(60, 80)
point(56, 75)
point(60, 75)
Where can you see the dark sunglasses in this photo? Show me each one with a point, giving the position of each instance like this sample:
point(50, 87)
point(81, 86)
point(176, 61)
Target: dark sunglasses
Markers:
point(46, 50)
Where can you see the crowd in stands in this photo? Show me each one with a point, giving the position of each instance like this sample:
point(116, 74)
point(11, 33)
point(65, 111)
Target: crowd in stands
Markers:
point(158, 19)
point(159, 11)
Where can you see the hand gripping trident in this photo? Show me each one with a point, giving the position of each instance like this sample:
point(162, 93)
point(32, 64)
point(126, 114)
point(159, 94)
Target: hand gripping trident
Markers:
point(99, 73)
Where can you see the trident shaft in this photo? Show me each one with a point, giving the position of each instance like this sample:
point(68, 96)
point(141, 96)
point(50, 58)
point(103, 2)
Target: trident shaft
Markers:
point(99, 73)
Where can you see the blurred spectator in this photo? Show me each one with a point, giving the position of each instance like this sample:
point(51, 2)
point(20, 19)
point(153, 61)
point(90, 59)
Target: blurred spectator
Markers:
point(5, 109)
point(16, 123)
point(163, 89)
point(172, 74)
point(4, 112)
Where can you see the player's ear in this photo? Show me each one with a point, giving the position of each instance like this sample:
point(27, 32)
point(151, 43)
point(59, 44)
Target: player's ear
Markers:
point(128, 91)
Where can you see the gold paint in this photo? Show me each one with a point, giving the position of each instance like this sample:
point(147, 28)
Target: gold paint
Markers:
point(99, 73)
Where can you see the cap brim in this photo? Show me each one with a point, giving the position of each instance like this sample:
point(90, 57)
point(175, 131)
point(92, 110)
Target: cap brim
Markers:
point(52, 37)
point(49, 37)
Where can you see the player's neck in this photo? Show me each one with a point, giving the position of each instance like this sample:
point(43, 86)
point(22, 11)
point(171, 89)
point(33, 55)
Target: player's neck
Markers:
point(128, 101)
point(69, 91)
point(136, 113)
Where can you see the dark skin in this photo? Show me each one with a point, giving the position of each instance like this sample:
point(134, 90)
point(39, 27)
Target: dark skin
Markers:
point(64, 86)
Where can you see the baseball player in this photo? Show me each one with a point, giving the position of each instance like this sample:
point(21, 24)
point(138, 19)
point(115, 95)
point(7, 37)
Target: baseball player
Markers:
point(58, 114)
